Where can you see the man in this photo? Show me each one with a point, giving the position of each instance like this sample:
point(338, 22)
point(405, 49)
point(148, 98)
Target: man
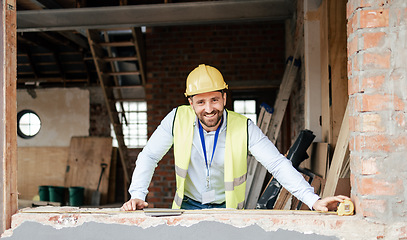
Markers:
point(210, 150)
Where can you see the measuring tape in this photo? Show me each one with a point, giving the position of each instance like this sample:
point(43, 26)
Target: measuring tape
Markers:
point(345, 208)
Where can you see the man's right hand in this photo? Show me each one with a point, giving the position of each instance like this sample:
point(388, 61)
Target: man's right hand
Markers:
point(134, 204)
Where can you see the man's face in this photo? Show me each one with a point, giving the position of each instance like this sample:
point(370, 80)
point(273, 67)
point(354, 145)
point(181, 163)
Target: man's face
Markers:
point(209, 108)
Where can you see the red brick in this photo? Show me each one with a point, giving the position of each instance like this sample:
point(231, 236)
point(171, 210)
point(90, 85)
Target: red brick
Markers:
point(374, 205)
point(378, 187)
point(349, 68)
point(353, 85)
point(372, 123)
point(374, 143)
point(352, 24)
point(374, 3)
point(353, 46)
point(354, 124)
point(350, 9)
point(376, 60)
point(370, 103)
point(398, 103)
point(371, 40)
point(369, 166)
point(400, 118)
point(400, 141)
point(372, 83)
point(354, 143)
point(374, 18)
point(353, 65)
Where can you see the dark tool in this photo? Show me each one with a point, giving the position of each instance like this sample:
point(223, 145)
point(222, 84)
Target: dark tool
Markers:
point(96, 194)
point(296, 154)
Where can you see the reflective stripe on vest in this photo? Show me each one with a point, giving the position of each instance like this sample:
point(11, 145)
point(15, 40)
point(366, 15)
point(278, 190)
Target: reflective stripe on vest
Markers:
point(235, 161)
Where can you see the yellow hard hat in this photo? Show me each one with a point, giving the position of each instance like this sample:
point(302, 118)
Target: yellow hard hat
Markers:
point(204, 79)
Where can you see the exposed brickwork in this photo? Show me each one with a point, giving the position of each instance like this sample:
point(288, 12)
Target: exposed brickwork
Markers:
point(376, 46)
point(247, 52)
point(99, 122)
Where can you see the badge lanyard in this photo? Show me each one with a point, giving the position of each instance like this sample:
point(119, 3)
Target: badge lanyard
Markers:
point(204, 148)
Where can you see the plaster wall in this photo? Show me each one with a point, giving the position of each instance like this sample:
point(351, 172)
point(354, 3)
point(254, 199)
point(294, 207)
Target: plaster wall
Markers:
point(63, 112)
point(73, 223)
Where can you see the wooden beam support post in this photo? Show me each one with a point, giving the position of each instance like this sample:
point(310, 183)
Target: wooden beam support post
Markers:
point(339, 157)
point(8, 113)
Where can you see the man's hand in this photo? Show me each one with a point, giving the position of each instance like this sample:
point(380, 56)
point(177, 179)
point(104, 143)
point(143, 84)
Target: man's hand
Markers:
point(328, 203)
point(134, 204)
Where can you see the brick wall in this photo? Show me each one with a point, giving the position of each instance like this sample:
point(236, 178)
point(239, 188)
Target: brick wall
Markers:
point(377, 53)
point(99, 122)
point(246, 52)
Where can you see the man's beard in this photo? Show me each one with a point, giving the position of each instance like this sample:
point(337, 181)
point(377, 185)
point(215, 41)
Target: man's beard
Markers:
point(211, 123)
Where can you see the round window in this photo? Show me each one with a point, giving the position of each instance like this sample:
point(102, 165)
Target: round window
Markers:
point(28, 124)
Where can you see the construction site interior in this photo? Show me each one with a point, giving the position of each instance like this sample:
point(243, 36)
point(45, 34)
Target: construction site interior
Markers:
point(86, 82)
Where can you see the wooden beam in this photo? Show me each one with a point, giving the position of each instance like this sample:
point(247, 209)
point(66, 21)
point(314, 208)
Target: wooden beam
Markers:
point(338, 65)
point(339, 157)
point(154, 15)
point(325, 91)
point(8, 113)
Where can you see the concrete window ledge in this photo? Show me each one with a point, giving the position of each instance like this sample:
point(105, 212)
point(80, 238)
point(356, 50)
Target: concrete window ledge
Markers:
point(90, 223)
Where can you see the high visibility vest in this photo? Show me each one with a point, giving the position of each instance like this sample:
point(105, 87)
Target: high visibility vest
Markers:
point(235, 161)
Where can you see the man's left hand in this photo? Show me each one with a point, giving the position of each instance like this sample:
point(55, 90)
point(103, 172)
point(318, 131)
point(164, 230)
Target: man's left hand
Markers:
point(329, 203)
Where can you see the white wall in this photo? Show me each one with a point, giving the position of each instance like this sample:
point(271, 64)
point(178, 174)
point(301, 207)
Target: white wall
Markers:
point(312, 55)
point(64, 112)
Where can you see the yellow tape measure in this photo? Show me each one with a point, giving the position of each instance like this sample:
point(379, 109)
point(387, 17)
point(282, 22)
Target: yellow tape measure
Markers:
point(345, 208)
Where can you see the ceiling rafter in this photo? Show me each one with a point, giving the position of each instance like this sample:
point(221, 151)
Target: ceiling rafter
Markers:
point(153, 15)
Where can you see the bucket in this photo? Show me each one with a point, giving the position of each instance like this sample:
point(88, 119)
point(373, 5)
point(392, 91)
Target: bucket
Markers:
point(57, 194)
point(43, 191)
point(76, 196)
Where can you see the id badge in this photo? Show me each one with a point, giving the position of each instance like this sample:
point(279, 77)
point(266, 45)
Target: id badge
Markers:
point(208, 196)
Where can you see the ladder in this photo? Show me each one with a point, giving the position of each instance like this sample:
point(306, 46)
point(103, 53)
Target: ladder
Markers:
point(270, 125)
point(108, 58)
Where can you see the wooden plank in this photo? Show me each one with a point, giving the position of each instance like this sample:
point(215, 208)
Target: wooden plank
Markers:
point(342, 146)
point(318, 159)
point(338, 65)
point(263, 118)
point(112, 177)
point(256, 172)
point(140, 51)
point(282, 199)
point(325, 90)
point(86, 154)
point(253, 190)
point(40, 166)
point(8, 114)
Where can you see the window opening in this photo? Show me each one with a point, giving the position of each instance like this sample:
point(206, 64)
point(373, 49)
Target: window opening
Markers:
point(246, 108)
point(28, 124)
point(135, 132)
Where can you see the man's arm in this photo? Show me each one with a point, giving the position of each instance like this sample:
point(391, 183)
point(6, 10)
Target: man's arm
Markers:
point(157, 146)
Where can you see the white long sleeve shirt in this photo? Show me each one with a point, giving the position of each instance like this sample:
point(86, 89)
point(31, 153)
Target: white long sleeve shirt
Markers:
point(260, 147)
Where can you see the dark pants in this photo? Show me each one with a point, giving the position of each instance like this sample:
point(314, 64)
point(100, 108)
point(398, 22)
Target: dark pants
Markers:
point(189, 204)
